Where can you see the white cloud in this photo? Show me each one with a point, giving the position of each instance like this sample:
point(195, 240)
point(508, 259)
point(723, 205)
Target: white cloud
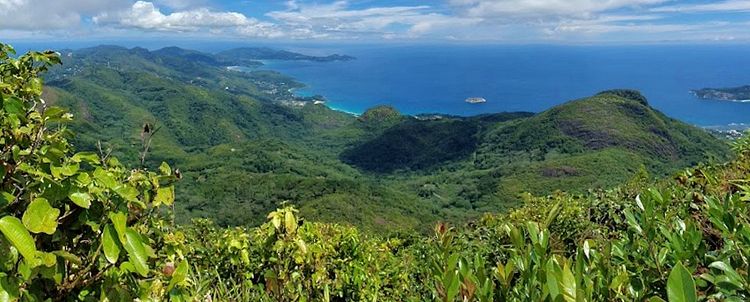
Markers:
point(146, 16)
point(337, 19)
point(50, 15)
point(513, 9)
point(726, 6)
point(497, 20)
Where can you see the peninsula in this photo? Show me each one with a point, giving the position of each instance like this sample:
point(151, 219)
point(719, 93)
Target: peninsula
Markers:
point(733, 94)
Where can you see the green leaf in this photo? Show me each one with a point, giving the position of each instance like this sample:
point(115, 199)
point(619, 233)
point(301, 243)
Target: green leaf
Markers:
point(119, 221)
point(732, 276)
point(81, 199)
point(111, 244)
point(53, 112)
point(290, 223)
point(164, 196)
point(17, 234)
point(136, 252)
point(127, 192)
point(165, 169)
point(89, 157)
point(680, 285)
point(14, 105)
point(68, 256)
point(48, 259)
point(40, 217)
point(6, 198)
point(568, 284)
point(180, 275)
point(64, 170)
point(105, 178)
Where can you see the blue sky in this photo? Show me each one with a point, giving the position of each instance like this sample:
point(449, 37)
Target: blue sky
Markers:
point(405, 21)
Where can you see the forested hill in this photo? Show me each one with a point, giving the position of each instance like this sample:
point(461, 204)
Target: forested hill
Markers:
point(245, 144)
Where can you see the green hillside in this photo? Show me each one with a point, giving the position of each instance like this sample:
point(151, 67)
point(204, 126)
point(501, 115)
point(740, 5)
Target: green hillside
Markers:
point(226, 129)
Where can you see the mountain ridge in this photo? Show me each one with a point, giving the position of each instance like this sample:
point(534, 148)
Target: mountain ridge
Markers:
point(222, 126)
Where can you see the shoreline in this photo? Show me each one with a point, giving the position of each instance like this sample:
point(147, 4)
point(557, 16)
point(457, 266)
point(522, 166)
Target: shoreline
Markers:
point(295, 92)
point(342, 110)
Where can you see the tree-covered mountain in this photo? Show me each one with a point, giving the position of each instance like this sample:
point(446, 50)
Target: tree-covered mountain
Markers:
point(245, 144)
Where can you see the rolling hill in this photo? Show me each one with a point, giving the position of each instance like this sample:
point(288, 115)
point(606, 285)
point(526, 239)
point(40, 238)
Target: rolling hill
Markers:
point(245, 144)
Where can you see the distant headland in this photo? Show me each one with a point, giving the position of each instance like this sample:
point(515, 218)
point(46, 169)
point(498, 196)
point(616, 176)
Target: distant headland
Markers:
point(733, 94)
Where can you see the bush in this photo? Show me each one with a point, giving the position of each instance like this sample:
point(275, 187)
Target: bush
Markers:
point(72, 224)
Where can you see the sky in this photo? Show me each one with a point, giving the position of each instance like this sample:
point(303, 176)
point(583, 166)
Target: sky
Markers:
point(403, 21)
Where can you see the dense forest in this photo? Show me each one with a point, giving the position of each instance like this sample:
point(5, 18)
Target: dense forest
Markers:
point(84, 226)
point(224, 128)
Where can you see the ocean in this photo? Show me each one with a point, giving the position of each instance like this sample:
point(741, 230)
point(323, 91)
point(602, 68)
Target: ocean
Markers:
point(437, 79)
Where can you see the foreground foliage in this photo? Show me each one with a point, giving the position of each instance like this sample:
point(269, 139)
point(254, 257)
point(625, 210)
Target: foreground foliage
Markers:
point(72, 225)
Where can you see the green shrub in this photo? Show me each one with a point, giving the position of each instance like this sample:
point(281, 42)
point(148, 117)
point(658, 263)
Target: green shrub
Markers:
point(72, 225)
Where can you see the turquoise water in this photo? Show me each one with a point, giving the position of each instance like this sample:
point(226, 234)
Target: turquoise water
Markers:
point(422, 79)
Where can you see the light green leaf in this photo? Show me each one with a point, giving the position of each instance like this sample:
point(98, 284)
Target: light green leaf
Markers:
point(68, 256)
point(119, 221)
point(553, 282)
point(105, 178)
point(17, 234)
point(568, 284)
point(53, 112)
point(180, 275)
point(81, 199)
point(48, 259)
point(64, 170)
point(136, 252)
point(111, 244)
point(680, 285)
point(164, 196)
point(165, 169)
point(40, 217)
point(127, 192)
point(290, 223)
point(89, 157)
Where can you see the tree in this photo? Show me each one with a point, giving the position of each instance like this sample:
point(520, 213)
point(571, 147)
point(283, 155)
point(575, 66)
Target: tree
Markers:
point(71, 224)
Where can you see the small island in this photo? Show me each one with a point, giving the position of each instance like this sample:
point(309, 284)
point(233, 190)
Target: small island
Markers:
point(476, 100)
point(733, 94)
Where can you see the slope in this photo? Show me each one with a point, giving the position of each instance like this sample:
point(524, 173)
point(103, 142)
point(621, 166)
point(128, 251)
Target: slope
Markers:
point(245, 144)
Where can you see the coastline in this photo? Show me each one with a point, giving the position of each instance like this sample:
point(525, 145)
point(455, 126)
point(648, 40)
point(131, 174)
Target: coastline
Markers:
point(342, 110)
point(295, 91)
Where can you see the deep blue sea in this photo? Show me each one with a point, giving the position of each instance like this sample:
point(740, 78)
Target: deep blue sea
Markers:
point(427, 79)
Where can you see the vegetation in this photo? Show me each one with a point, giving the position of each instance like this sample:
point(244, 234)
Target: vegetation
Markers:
point(73, 225)
point(82, 226)
point(222, 127)
point(741, 93)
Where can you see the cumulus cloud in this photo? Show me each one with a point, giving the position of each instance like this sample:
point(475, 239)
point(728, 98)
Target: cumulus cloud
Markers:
point(146, 16)
point(50, 15)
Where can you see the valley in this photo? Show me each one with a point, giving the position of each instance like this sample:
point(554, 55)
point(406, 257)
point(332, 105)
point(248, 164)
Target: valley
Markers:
point(382, 170)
